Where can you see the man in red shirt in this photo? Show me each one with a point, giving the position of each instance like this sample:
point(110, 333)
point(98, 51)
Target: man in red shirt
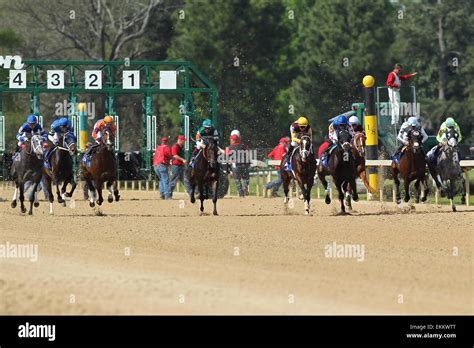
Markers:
point(178, 166)
point(161, 161)
point(394, 82)
point(323, 146)
point(277, 154)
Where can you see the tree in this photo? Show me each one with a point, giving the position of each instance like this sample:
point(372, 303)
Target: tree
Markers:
point(339, 41)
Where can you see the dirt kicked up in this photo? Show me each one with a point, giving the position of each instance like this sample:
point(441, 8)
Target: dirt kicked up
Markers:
point(148, 256)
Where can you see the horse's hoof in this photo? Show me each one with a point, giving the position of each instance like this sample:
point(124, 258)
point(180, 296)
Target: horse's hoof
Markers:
point(193, 200)
point(424, 199)
point(63, 204)
point(306, 212)
point(406, 199)
point(36, 204)
point(99, 202)
point(300, 197)
point(67, 194)
point(417, 201)
point(454, 208)
point(215, 213)
point(23, 210)
point(110, 199)
point(13, 205)
point(355, 198)
point(463, 200)
point(92, 204)
point(60, 200)
point(328, 200)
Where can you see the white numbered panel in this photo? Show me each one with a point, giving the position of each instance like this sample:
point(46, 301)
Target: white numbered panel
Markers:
point(17, 79)
point(93, 79)
point(167, 79)
point(55, 79)
point(131, 79)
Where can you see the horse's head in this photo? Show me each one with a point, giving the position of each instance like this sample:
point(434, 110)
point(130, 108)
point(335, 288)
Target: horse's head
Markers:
point(415, 138)
point(344, 139)
point(305, 147)
point(210, 152)
point(452, 137)
point(359, 143)
point(36, 146)
point(70, 142)
point(107, 138)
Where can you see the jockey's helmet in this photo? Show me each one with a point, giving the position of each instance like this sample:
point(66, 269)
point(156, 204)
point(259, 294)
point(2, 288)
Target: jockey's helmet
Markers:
point(302, 121)
point(207, 123)
point(340, 120)
point(235, 132)
point(450, 122)
point(354, 120)
point(62, 122)
point(412, 121)
point(32, 119)
point(108, 119)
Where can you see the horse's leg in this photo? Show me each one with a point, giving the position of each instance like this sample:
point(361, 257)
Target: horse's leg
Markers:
point(341, 195)
point(63, 192)
point(327, 187)
point(116, 191)
point(110, 197)
point(214, 196)
point(56, 183)
point(396, 181)
point(417, 190)
point(98, 187)
point(32, 197)
point(22, 197)
point(13, 205)
point(91, 188)
point(463, 189)
point(286, 187)
point(406, 183)
point(201, 196)
point(73, 183)
point(309, 186)
point(48, 187)
point(363, 177)
point(426, 190)
point(451, 194)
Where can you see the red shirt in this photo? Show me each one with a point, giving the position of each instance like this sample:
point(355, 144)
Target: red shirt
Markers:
point(277, 153)
point(177, 149)
point(322, 147)
point(162, 155)
point(391, 79)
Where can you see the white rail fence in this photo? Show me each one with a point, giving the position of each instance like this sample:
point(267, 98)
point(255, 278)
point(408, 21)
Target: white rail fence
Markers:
point(466, 165)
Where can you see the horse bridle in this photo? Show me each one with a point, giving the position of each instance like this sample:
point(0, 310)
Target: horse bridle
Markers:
point(66, 146)
point(33, 147)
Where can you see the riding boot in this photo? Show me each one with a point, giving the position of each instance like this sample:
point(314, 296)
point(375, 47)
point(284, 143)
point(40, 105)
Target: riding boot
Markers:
point(288, 157)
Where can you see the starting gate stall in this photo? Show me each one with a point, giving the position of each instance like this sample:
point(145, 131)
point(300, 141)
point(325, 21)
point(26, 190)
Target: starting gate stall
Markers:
point(112, 78)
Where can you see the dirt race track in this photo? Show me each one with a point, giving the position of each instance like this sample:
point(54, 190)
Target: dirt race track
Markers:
point(148, 256)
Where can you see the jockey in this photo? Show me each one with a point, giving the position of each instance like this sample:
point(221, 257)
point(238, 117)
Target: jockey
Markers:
point(297, 129)
point(441, 136)
point(339, 124)
point(207, 130)
point(355, 123)
point(58, 127)
point(408, 126)
point(107, 121)
point(29, 128)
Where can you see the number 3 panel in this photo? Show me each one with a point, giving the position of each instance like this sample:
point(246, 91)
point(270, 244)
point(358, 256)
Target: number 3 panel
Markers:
point(55, 79)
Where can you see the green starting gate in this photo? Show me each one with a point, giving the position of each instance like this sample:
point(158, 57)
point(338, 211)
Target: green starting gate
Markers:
point(112, 78)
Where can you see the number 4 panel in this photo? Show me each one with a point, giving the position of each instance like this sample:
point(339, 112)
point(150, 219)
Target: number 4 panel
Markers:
point(17, 79)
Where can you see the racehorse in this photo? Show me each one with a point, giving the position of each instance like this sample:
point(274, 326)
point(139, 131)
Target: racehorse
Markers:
point(342, 168)
point(446, 169)
point(102, 168)
point(205, 173)
point(303, 164)
point(412, 167)
point(61, 169)
point(27, 166)
point(358, 151)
